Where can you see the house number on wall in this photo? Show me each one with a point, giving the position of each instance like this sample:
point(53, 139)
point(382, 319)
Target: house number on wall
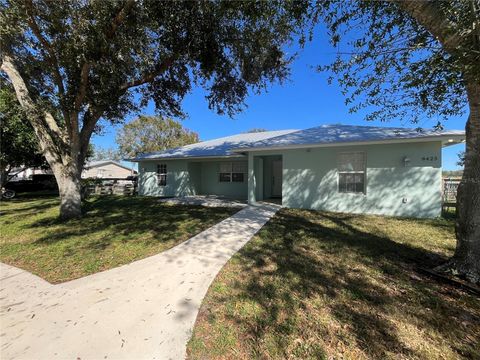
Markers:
point(429, 158)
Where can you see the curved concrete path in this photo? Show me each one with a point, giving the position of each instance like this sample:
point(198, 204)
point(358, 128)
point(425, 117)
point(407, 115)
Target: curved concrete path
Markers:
point(144, 310)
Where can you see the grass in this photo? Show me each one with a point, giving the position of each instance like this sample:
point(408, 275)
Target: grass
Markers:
point(313, 285)
point(114, 231)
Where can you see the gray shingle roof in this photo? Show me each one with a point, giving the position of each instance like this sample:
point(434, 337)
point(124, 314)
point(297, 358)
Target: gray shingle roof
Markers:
point(334, 134)
point(324, 134)
point(220, 147)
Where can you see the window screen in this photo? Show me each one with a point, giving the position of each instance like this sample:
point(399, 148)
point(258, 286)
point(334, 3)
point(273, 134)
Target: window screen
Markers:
point(232, 172)
point(239, 169)
point(162, 174)
point(351, 172)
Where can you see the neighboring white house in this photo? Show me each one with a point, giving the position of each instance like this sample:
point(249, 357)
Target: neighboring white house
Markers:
point(106, 169)
point(344, 168)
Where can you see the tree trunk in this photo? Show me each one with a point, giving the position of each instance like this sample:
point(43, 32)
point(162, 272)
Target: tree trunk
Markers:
point(3, 176)
point(466, 260)
point(61, 148)
point(69, 187)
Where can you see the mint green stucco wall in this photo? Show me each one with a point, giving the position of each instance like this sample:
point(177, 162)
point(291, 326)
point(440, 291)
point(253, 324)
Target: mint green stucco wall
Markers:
point(310, 180)
point(185, 177)
point(180, 181)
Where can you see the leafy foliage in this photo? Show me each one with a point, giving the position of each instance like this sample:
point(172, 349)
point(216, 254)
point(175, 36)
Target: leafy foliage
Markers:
point(256, 130)
point(75, 63)
point(391, 66)
point(18, 143)
point(152, 133)
point(461, 158)
point(101, 153)
point(226, 47)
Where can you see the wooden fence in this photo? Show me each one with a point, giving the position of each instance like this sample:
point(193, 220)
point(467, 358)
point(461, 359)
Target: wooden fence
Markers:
point(110, 187)
point(449, 191)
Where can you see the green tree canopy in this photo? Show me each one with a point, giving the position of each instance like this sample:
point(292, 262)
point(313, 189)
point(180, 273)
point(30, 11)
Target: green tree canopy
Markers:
point(105, 153)
point(152, 133)
point(73, 63)
point(392, 64)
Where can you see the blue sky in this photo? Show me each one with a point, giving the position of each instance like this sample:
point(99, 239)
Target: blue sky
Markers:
point(305, 100)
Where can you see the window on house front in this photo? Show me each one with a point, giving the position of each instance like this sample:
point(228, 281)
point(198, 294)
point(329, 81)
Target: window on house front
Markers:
point(162, 174)
point(232, 172)
point(351, 172)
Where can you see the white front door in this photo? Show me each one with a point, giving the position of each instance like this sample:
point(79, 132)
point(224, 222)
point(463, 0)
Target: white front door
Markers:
point(277, 178)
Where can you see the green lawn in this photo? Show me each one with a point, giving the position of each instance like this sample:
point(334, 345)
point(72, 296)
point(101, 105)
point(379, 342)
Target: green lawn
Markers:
point(114, 231)
point(314, 285)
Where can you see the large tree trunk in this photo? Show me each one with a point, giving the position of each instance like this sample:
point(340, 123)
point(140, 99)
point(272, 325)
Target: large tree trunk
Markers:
point(62, 147)
point(466, 260)
point(69, 187)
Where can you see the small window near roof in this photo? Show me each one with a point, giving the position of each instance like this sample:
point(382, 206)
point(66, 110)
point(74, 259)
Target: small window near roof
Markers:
point(162, 174)
point(351, 172)
point(232, 172)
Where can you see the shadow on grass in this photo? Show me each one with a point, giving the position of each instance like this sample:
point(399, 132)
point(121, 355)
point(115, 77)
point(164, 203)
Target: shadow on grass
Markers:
point(128, 218)
point(305, 263)
point(113, 231)
point(38, 206)
point(23, 207)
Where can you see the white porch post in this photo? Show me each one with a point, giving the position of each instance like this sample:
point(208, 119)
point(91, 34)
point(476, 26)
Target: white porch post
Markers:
point(251, 179)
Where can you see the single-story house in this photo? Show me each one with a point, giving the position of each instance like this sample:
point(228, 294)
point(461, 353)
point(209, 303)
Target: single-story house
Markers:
point(342, 168)
point(106, 169)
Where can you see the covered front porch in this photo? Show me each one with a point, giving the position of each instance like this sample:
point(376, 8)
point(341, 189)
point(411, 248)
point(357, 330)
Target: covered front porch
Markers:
point(256, 178)
point(221, 177)
point(265, 178)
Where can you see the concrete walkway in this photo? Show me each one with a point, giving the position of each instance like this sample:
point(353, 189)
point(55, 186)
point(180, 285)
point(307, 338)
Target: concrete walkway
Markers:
point(144, 310)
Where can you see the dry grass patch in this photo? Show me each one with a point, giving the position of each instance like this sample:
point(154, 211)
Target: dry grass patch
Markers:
point(114, 231)
point(315, 285)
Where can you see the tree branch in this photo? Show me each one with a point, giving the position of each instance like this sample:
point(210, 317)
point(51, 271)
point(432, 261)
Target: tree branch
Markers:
point(51, 53)
point(119, 18)
point(83, 86)
point(42, 122)
point(73, 120)
point(90, 120)
point(149, 77)
point(430, 16)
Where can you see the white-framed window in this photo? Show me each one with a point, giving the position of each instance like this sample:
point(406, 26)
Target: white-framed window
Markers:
point(232, 171)
point(162, 174)
point(351, 172)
